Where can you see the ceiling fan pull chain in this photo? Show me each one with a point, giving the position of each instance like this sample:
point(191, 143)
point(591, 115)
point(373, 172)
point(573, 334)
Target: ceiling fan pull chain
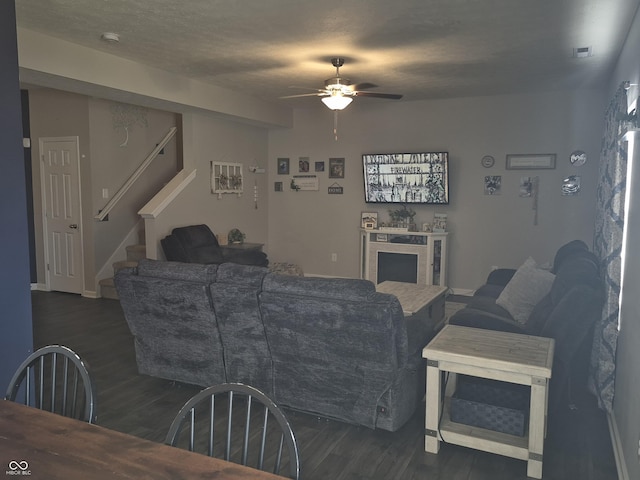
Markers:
point(335, 124)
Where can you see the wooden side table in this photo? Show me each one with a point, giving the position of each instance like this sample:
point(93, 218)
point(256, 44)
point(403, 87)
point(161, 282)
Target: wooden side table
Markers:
point(243, 246)
point(419, 301)
point(507, 357)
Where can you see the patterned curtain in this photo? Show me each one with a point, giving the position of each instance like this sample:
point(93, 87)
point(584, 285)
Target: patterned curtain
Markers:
point(607, 243)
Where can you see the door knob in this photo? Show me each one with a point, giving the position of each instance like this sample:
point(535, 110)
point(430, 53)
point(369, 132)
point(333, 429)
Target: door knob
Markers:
point(73, 225)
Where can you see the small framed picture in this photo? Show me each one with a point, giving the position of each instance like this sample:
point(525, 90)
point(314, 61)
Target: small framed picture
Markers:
point(369, 220)
point(303, 164)
point(277, 186)
point(283, 166)
point(336, 168)
point(571, 185)
point(526, 186)
point(319, 166)
point(492, 184)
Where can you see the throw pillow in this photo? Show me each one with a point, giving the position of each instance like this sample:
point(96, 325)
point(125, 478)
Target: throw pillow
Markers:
point(528, 286)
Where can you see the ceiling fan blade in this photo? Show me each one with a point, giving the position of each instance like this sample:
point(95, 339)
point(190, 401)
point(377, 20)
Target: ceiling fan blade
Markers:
point(319, 93)
point(393, 96)
point(364, 86)
point(306, 88)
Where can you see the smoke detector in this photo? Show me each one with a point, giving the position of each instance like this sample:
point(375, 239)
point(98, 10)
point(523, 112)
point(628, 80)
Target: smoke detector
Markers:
point(110, 37)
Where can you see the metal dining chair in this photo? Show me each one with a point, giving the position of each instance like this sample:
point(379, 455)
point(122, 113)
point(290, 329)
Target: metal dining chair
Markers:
point(261, 428)
point(56, 379)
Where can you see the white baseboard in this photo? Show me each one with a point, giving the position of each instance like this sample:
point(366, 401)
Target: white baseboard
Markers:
point(618, 452)
point(41, 287)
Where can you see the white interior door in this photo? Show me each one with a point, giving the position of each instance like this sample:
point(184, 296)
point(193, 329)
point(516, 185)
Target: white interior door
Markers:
point(62, 220)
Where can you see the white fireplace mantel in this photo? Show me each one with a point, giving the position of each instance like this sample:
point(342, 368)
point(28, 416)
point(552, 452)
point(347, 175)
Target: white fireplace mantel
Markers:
point(429, 248)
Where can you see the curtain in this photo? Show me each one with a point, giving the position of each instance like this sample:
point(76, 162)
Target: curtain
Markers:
point(607, 245)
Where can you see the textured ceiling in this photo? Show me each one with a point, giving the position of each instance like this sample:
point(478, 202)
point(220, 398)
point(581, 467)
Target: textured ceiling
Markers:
point(423, 49)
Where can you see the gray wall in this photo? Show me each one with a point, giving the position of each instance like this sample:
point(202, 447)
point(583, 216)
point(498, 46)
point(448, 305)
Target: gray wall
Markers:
point(103, 164)
point(210, 139)
point(16, 337)
point(306, 227)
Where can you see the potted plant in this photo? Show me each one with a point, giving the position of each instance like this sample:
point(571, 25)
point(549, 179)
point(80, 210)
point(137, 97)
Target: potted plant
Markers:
point(236, 236)
point(402, 216)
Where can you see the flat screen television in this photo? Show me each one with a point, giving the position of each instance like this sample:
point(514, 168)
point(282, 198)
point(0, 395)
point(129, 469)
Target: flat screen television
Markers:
point(406, 178)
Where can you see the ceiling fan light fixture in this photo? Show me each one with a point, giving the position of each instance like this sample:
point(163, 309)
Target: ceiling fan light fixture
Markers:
point(337, 101)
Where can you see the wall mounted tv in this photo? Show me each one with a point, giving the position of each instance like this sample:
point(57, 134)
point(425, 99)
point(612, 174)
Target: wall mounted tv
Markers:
point(406, 177)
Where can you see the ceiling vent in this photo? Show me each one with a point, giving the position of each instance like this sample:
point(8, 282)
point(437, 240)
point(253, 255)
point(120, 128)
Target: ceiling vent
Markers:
point(582, 52)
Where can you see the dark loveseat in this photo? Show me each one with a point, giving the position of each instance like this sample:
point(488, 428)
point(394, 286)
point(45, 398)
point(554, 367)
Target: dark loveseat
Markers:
point(564, 304)
point(198, 244)
point(327, 346)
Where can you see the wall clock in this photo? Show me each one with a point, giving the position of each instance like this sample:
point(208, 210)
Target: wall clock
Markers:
point(578, 158)
point(488, 161)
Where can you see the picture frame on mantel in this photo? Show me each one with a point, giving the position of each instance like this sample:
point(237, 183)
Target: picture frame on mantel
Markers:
point(531, 161)
point(369, 220)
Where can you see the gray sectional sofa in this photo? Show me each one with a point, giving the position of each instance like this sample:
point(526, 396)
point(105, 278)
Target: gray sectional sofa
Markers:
point(565, 310)
point(326, 346)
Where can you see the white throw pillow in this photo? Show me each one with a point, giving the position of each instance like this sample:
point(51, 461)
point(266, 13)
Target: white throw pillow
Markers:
point(528, 286)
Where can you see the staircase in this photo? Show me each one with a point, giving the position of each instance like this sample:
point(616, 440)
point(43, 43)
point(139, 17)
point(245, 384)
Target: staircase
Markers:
point(134, 253)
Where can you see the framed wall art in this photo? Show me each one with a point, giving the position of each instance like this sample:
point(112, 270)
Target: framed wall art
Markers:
point(283, 166)
point(532, 161)
point(305, 182)
point(336, 168)
point(226, 178)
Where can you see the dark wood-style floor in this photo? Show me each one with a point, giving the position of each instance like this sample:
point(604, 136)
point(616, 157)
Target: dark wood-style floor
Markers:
point(577, 447)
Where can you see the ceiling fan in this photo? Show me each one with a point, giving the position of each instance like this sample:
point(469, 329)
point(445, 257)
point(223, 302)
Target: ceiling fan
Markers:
point(338, 92)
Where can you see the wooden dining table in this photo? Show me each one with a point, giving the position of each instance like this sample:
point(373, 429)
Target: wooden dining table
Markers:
point(42, 445)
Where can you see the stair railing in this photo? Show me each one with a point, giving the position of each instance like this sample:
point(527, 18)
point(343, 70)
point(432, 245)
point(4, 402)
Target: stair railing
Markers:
point(135, 175)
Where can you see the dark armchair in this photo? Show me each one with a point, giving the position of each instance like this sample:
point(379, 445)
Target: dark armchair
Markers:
point(198, 244)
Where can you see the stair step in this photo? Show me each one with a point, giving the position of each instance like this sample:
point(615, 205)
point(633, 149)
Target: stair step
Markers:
point(136, 252)
point(124, 264)
point(108, 289)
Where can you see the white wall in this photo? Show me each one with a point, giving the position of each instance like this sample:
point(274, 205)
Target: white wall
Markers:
point(306, 227)
point(626, 402)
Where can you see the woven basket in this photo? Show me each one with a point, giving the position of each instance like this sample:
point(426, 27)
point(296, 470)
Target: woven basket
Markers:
point(498, 406)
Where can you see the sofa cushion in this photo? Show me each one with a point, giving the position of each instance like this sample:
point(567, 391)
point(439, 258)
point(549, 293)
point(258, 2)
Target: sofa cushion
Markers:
point(195, 235)
point(528, 286)
point(205, 254)
point(188, 272)
point(565, 251)
point(489, 290)
point(334, 288)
